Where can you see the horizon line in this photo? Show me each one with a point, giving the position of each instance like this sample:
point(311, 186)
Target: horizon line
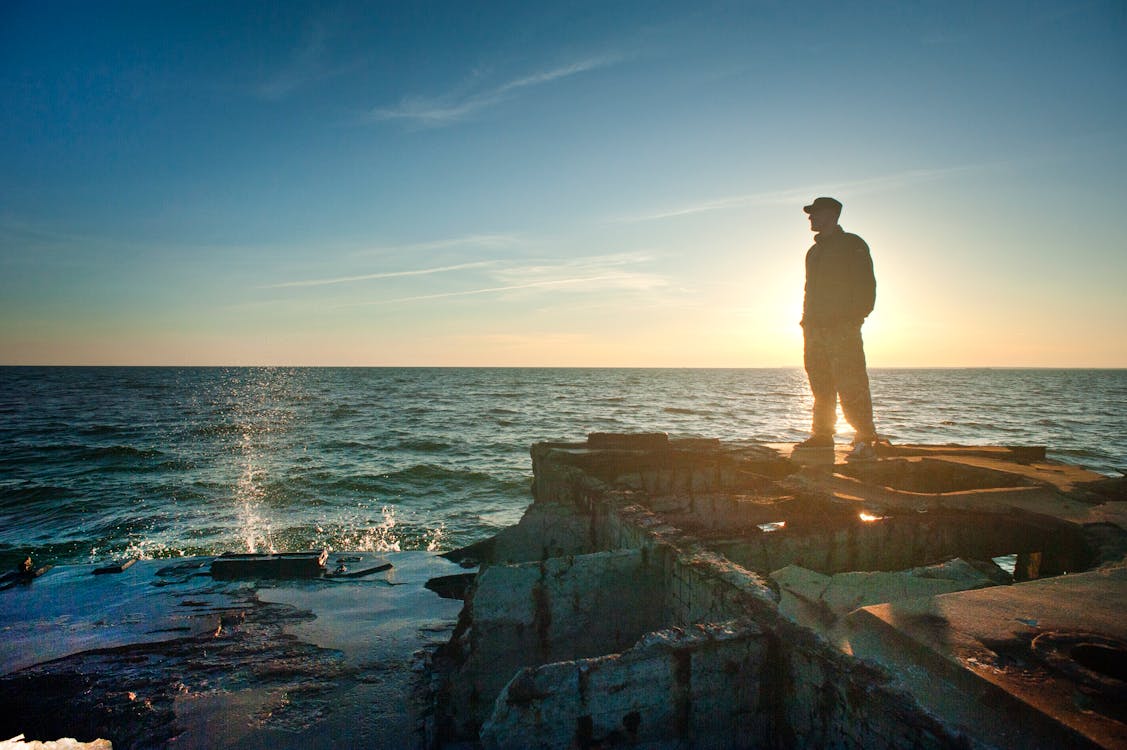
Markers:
point(547, 367)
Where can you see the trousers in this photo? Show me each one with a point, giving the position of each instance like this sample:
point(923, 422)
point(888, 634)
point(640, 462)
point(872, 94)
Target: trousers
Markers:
point(835, 365)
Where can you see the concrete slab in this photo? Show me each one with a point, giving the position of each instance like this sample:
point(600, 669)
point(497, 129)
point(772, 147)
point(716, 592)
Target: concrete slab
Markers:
point(896, 531)
point(1008, 663)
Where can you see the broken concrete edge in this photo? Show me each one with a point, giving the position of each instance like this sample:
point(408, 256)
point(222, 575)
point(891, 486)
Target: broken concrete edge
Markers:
point(1038, 504)
point(614, 692)
point(472, 553)
point(549, 610)
point(630, 441)
point(455, 586)
point(307, 564)
point(755, 589)
point(653, 692)
point(564, 472)
point(1017, 453)
point(618, 489)
point(979, 682)
point(509, 609)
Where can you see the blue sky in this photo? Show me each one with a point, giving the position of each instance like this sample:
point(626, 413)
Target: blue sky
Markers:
point(556, 184)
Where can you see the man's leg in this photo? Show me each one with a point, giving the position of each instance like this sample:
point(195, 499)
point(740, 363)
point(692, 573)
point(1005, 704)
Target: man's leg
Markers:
point(820, 371)
point(852, 381)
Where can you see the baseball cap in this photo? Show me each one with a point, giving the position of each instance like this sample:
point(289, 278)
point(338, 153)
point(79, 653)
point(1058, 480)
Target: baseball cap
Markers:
point(823, 203)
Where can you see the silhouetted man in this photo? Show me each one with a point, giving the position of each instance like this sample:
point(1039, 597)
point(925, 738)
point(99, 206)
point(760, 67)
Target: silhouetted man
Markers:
point(840, 293)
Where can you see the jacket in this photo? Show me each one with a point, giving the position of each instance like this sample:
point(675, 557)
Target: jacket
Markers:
point(840, 285)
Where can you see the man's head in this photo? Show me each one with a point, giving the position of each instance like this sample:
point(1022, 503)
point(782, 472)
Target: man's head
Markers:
point(823, 213)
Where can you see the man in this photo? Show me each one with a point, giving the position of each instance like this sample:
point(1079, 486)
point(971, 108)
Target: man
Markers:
point(840, 293)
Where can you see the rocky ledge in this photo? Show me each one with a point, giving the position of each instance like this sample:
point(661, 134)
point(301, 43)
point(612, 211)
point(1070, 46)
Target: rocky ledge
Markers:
point(258, 652)
point(689, 593)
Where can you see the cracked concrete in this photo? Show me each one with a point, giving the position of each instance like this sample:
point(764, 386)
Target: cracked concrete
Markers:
point(783, 601)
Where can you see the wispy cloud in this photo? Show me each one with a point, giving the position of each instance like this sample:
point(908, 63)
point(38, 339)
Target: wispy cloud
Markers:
point(612, 266)
point(308, 65)
point(381, 275)
point(471, 240)
point(588, 275)
point(452, 107)
point(485, 241)
point(495, 289)
point(791, 195)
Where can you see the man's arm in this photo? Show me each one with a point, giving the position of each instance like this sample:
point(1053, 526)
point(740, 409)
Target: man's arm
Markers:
point(863, 283)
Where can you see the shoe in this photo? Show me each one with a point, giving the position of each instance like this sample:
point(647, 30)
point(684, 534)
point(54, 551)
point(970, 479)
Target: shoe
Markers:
point(816, 441)
point(863, 451)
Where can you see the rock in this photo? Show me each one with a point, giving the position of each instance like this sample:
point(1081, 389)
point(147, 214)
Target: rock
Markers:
point(66, 743)
point(817, 600)
point(453, 586)
point(633, 441)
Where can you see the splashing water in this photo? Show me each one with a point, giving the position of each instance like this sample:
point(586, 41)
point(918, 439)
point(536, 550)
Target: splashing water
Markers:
point(255, 531)
point(378, 538)
point(145, 549)
point(434, 538)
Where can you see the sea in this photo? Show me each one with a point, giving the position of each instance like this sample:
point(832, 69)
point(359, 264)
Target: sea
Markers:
point(107, 463)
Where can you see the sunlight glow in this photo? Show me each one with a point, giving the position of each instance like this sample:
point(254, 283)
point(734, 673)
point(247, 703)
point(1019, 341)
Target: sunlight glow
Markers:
point(331, 210)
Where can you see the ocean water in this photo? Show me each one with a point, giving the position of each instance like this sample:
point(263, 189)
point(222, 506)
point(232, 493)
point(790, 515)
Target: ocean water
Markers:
point(100, 463)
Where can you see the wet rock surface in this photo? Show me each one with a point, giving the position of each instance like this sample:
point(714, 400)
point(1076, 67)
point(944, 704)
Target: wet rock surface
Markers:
point(129, 692)
point(163, 655)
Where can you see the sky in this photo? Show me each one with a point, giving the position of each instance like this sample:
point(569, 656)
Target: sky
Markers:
point(556, 184)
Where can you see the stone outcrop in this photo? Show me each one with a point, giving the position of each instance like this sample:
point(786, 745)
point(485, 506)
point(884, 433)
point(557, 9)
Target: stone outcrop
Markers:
point(689, 593)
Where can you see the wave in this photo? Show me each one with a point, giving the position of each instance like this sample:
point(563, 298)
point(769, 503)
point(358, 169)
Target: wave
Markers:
point(52, 522)
point(426, 473)
point(683, 410)
point(98, 430)
point(94, 452)
point(326, 486)
point(122, 451)
point(422, 445)
point(18, 496)
point(349, 445)
point(1079, 452)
